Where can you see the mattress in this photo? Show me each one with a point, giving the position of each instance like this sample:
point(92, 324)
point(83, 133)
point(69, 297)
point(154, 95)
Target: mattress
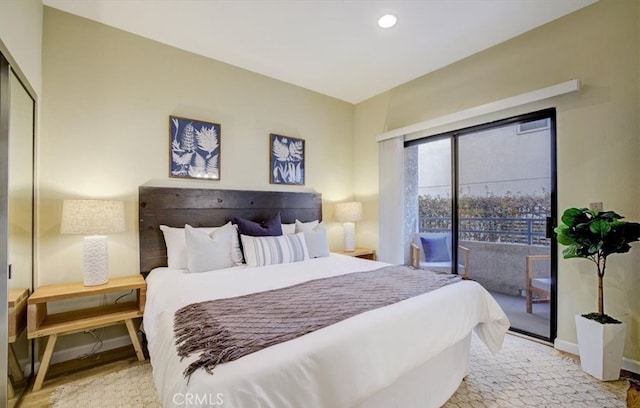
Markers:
point(339, 366)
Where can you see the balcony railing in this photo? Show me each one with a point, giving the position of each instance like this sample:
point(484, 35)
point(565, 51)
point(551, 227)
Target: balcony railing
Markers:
point(527, 231)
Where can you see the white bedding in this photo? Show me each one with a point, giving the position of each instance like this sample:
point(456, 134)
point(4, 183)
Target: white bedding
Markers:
point(337, 366)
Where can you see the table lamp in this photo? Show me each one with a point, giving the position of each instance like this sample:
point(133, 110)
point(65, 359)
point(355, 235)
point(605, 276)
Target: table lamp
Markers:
point(348, 214)
point(93, 218)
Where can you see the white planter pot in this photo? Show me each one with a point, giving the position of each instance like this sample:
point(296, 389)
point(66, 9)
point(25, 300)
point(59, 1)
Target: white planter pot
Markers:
point(601, 348)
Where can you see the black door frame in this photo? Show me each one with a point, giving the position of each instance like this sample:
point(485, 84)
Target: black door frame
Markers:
point(549, 113)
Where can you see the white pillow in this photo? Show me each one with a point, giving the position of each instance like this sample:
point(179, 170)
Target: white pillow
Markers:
point(291, 228)
point(208, 252)
point(174, 239)
point(260, 251)
point(315, 237)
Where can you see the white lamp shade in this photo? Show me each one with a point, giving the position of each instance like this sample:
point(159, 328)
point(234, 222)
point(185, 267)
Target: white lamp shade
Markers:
point(349, 212)
point(92, 217)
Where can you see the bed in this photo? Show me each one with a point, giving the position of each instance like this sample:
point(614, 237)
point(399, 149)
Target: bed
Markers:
point(413, 353)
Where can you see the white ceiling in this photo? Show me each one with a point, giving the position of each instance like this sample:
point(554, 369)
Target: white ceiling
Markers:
point(333, 47)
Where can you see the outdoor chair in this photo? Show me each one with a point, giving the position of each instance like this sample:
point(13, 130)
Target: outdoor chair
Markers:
point(538, 289)
point(432, 250)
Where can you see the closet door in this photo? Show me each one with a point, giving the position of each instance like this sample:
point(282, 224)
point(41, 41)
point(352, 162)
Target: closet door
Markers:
point(4, 170)
point(17, 119)
point(20, 230)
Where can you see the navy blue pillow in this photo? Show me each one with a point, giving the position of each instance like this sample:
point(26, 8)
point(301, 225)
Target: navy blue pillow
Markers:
point(435, 249)
point(272, 226)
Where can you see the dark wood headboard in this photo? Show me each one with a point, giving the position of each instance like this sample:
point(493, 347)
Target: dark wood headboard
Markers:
point(201, 207)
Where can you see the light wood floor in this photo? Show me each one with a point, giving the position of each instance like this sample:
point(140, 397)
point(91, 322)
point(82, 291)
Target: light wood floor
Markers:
point(63, 373)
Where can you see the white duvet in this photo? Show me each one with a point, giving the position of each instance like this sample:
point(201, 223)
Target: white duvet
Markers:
point(336, 367)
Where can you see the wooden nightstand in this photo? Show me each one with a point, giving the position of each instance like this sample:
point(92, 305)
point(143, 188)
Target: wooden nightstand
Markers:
point(17, 323)
point(361, 253)
point(41, 324)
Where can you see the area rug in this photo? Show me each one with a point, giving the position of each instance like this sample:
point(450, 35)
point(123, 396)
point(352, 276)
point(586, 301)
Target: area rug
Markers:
point(523, 374)
point(527, 374)
point(132, 387)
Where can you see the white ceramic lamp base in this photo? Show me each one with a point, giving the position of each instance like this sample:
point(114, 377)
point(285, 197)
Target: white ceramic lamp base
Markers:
point(96, 267)
point(349, 236)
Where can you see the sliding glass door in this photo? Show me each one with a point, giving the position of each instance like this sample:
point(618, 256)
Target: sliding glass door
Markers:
point(490, 191)
point(435, 212)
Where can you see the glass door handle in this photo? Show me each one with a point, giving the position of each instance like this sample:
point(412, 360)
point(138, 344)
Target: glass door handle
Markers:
point(549, 227)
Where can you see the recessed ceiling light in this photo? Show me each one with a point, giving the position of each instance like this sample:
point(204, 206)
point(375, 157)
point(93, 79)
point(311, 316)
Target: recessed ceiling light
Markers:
point(387, 21)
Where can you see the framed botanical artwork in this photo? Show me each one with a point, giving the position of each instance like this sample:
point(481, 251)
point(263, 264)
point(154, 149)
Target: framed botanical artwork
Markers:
point(287, 160)
point(195, 148)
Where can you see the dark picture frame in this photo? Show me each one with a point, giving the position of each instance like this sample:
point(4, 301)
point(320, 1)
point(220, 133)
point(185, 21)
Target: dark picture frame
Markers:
point(195, 148)
point(287, 160)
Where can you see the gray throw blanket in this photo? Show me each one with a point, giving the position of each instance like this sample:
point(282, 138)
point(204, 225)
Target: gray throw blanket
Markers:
point(224, 330)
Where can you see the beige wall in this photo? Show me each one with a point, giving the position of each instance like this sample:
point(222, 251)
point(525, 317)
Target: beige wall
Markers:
point(21, 39)
point(105, 129)
point(107, 97)
point(369, 120)
point(598, 140)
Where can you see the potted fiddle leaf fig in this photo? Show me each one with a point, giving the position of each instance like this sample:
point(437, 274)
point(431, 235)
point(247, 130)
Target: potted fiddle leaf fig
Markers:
point(594, 235)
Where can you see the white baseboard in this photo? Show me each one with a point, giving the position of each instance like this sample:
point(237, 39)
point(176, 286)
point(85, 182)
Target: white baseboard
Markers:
point(572, 348)
point(567, 347)
point(73, 352)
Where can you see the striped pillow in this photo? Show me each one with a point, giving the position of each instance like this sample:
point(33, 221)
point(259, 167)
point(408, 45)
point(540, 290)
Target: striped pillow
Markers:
point(260, 251)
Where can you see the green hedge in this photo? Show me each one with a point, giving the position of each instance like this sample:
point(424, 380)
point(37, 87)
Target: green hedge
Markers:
point(494, 210)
